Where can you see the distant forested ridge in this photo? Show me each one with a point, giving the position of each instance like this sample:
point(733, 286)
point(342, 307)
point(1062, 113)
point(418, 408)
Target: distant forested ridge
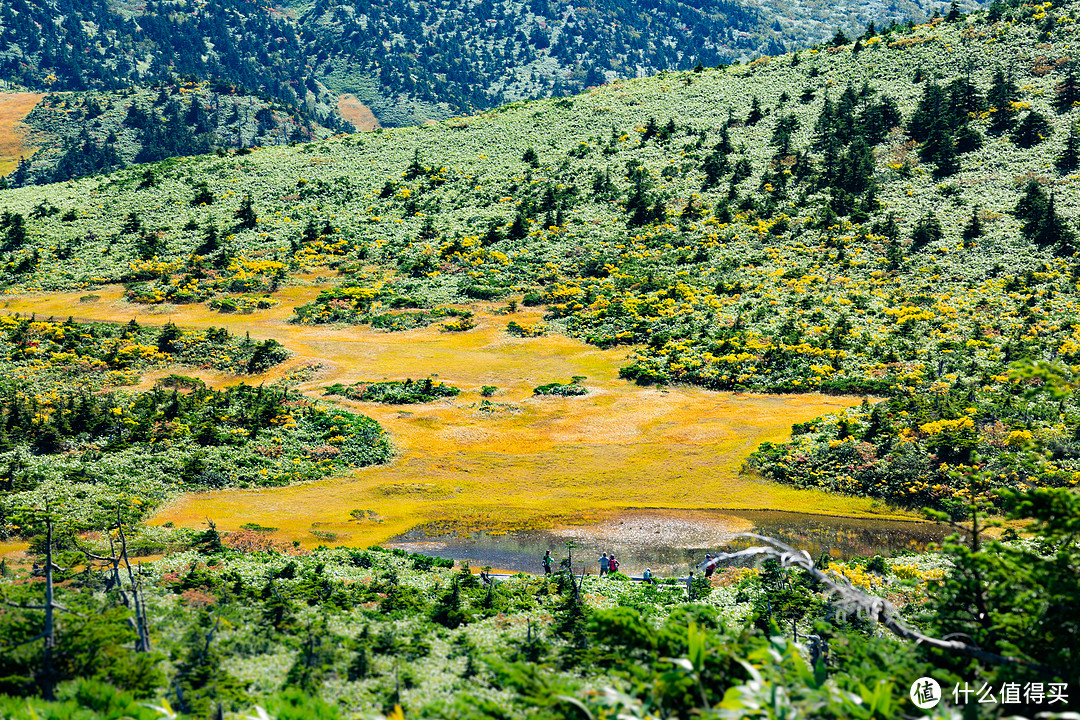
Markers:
point(86, 133)
point(409, 61)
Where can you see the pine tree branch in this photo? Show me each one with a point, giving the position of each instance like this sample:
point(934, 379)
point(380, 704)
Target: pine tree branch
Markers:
point(23, 642)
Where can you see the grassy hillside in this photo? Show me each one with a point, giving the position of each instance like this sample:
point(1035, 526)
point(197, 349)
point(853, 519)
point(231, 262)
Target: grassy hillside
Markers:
point(268, 75)
point(855, 218)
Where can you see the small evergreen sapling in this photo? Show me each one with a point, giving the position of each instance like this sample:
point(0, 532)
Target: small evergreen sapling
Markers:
point(1032, 130)
point(1069, 160)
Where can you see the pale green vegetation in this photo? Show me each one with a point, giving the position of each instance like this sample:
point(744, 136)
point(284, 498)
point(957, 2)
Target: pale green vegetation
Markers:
point(892, 217)
point(854, 218)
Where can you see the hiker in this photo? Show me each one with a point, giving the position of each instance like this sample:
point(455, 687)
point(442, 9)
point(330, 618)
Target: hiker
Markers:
point(709, 566)
point(613, 564)
point(547, 563)
point(605, 565)
point(647, 576)
point(690, 587)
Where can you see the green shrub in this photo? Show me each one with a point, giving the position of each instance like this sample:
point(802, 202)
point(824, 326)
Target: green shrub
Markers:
point(556, 388)
point(395, 392)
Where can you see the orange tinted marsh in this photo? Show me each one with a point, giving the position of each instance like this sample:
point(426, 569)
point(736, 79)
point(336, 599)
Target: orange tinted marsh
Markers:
point(521, 462)
point(13, 141)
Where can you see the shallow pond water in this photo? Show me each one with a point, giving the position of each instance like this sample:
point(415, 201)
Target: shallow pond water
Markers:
point(670, 542)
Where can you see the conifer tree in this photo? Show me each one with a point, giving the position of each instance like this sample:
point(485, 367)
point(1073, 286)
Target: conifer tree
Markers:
point(870, 202)
point(1049, 230)
point(22, 173)
point(14, 227)
point(202, 195)
point(830, 158)
point(668, 130)
point(493, 234)
point(785, 128)
point(1003, 92)
point(857, 168)
point(1031, 207)
point(651, 129)
point(245, 214)
point(201, 682)
point(416, 168)
point(1032, 130)
point(1068, 92)
point(974, 228)
point(825, 126)
point(828, 217)
point(894, 254)
point(519, 228)
point(1069, 160)
point(755, 112)
point(940, 148)
point(931, 112)
point(891, 231)
point(132, 224)
point(725, 145)
point(965, 98)
point(210, 243)
point(927, 230)
point(714, 167)
point(967, 139)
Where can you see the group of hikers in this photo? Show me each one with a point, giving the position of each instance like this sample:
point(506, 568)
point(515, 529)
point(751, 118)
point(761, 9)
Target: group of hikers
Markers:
point(609, 564)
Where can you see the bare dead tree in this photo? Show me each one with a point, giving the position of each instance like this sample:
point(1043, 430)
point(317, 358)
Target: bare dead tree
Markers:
point(132, 597)
point(193, 661)
point(852, 601)
point(576, 585)
point(46, 677)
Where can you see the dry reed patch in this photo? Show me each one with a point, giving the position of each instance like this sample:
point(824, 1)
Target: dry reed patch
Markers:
point(357, 113)
point(621, 446)
point(13, 108)
point(541, 463)
point(12, 551)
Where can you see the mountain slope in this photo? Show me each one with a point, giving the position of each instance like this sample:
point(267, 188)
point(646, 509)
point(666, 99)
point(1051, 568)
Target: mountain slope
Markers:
point(284, 74)
point(857, 218)
point(85, 133)
point(409, 61)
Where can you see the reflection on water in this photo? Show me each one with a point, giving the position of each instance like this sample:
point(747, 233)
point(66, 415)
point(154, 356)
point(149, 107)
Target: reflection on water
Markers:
point(671, 541)
point(842, 538)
